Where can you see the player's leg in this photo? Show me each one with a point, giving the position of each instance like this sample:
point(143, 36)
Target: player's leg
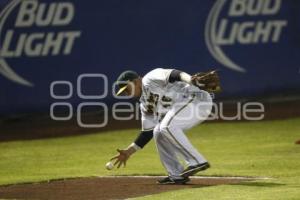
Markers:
point(167, 153)
point(184, 116)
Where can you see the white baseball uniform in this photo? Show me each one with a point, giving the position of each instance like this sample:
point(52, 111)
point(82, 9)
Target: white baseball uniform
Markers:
point(169, 109)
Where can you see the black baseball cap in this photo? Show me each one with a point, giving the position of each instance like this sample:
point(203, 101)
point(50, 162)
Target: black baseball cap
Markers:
point(124, 78)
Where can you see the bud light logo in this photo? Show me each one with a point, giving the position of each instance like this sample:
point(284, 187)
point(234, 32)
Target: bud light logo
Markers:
point(243, 23)
point(32, 28)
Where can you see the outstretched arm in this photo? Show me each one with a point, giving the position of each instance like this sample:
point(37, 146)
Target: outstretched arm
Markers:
point(123, 154)
point(177, 75)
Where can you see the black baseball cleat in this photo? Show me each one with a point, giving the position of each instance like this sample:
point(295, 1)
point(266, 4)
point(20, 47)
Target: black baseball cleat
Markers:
point(169, 181)
point(192, 170)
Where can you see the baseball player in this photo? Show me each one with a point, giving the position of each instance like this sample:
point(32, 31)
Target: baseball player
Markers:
point(171, 101)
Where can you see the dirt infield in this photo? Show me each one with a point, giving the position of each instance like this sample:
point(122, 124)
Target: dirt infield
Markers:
point(105, 187)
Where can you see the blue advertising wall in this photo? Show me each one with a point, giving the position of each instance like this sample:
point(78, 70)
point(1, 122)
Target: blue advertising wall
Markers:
point(255, 45)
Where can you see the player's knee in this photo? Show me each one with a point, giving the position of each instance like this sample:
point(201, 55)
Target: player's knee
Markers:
point(164, 129)
point(157, 136)
point(167, 129)
point(156, 133)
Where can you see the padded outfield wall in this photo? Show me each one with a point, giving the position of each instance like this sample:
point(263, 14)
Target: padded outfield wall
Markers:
point(73, 45)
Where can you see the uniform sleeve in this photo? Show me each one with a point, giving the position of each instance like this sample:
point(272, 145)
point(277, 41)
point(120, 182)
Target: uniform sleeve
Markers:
point(147, 119)
point(148, 122)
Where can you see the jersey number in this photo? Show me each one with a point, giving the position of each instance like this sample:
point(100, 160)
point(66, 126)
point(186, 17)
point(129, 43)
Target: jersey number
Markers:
point(152, 102)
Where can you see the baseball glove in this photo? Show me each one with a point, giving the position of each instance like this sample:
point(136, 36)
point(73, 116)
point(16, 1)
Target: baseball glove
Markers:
point(208, 81)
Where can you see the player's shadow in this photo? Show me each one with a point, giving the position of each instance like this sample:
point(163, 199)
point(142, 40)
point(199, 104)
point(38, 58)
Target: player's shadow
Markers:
point(242, 183)
point(259, 184)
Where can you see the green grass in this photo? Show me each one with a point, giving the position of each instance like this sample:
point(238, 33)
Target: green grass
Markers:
point(236, 149)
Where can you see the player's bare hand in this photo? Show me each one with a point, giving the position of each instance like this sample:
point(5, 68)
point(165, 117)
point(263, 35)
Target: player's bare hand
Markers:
point(121, 157)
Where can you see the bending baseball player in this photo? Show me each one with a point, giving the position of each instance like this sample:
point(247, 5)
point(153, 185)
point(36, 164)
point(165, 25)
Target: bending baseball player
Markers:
point(171, 102)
